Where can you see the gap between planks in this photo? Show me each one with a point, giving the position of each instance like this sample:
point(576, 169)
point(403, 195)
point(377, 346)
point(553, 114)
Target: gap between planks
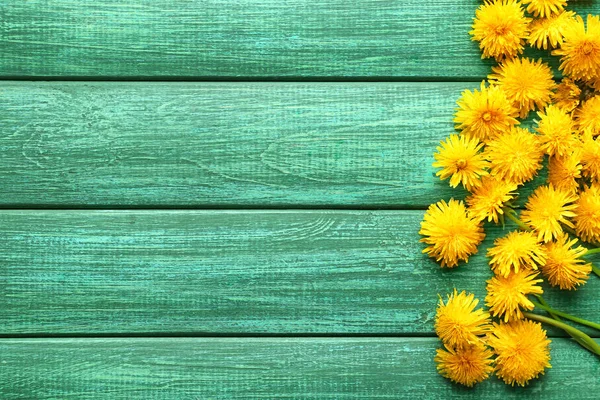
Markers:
point(217, 335)
point(273, 79)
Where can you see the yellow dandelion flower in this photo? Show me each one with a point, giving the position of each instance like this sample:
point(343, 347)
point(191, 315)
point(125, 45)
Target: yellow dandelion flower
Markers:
point(522, 349)
point(544, 8)
point(580, 50)
point(590, 158)
point(451, 234)
point(484, 114)
point(556, 131)
point(515, 156)
point(548, 32)
point(461, 161)
point(458, 323)
point(587, 117)
point(528, 84)
point(563, 172)
point(546, 209)
point(594, 83)
point(516, 251)
point(564, 267)
point(587, 221)
point(488, 199)
point(507, 295)
point(501, 29)
point(567, 95)
point(466, 365)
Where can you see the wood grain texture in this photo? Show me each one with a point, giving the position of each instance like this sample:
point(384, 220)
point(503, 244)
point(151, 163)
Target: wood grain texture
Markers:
point(242, 38)
point(77, 144)
point(214, 272)
point(275, 368)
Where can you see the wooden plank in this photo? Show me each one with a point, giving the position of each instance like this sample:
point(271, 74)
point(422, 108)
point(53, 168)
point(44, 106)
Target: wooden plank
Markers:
point(242, 38)
point(214, 272)
point(273, 368)
point(122, 144)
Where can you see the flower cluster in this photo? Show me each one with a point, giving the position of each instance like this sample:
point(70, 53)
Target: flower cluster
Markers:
point(474, 347)
point(493, 156)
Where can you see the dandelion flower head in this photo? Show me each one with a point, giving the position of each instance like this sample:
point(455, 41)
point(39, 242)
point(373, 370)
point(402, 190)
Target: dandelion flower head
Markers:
point(580, 50)
point(515, 251)
point(563, 172)
point(522, 351)
point(587, 220)
point(548, 32)
point(488, 199)
point(557, 131)
point(515, 156)
point(546, 209)
point(460, 160)
point(458, 323)
point(590, 158)
point(568, 95)
point(501, 29)
point(545, 8)
point(451, 234)
point(528, 84)
point(484, 113)
point(564, 266)
point(507, 295)
point(466, 365)
point(587, 117)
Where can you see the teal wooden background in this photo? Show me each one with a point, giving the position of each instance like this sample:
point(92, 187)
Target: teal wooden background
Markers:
point(220, 199)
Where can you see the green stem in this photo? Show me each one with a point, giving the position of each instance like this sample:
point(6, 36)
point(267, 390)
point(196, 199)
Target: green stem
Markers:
point(592, 251)
point(595, 270)
point(590, 344)
point(556, 317)
point(517, 221)
point(567, 316)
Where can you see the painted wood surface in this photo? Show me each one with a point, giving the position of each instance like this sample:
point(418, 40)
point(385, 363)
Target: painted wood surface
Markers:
point(122, 144)
point(195, 284)
point(234, 272)
point(273, 368)
point(242, 38)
